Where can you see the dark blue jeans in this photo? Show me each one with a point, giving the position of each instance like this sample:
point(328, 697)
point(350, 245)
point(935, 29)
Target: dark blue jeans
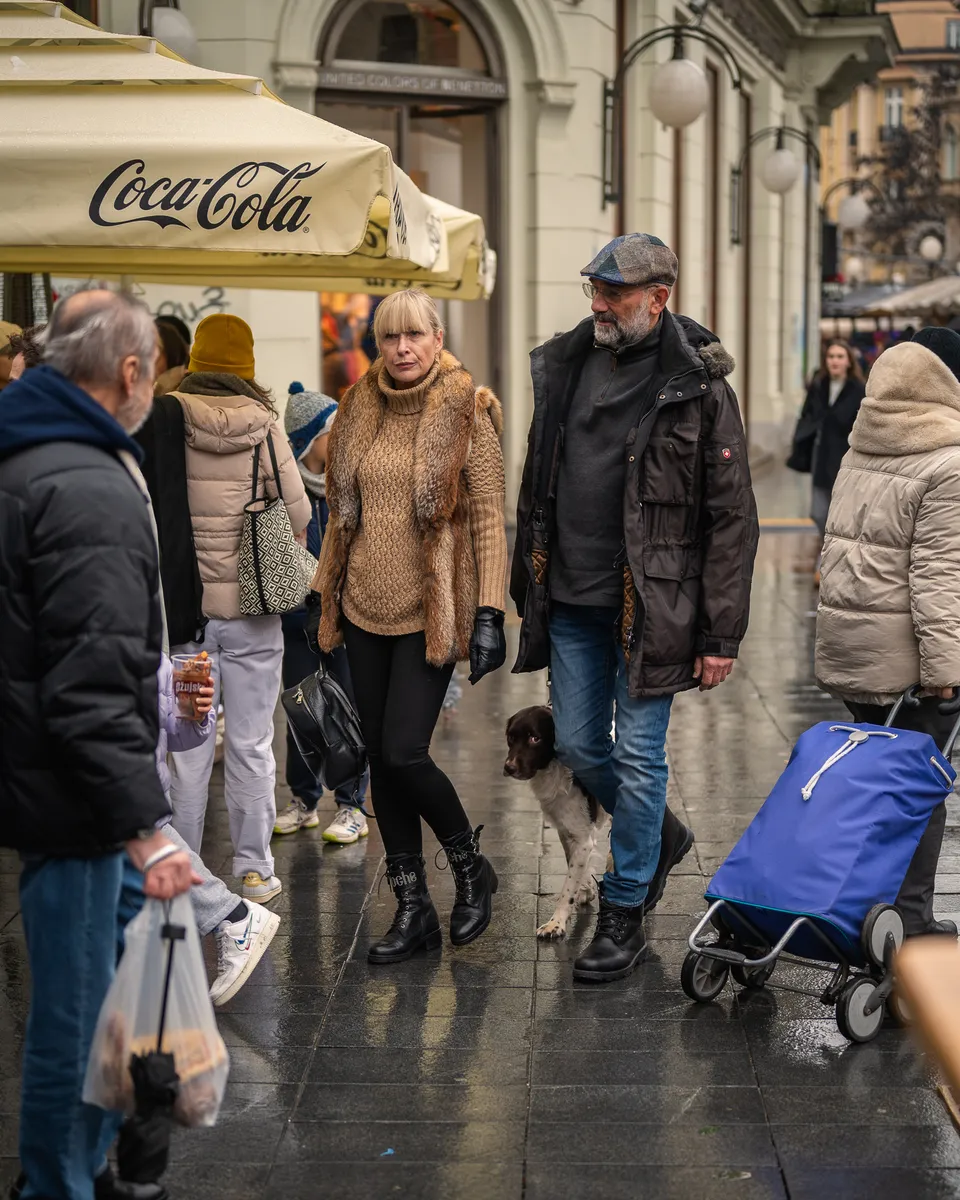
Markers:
point(299, 661)
point(627, 775)
point(74, 913)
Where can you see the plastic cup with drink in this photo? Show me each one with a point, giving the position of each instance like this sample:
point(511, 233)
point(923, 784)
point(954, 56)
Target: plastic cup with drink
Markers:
point(191, 673)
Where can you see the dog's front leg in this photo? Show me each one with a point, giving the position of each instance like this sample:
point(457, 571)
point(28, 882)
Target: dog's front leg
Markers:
point(578, 850)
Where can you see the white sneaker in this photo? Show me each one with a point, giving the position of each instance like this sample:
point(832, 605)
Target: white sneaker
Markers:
point(347, 827)
point(296, 816)
point(240, 946)
point(255, 887)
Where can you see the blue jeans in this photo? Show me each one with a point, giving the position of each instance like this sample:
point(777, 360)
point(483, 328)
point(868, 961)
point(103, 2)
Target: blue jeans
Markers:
point(74, 913)
point(627, 775)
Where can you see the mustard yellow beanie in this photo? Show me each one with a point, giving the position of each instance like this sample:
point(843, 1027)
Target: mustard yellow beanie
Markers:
point(223, 344)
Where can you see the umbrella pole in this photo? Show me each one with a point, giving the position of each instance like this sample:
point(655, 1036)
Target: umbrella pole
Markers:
point(171, 934)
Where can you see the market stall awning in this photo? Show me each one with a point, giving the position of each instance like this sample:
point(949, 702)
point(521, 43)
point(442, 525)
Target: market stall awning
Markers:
point(938, 299)
point(119, 158)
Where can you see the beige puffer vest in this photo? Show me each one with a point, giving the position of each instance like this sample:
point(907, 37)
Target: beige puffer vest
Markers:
point(889, 613)
point(221, 432)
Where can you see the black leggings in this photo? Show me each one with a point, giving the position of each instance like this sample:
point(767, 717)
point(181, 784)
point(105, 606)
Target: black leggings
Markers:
point(399, 698)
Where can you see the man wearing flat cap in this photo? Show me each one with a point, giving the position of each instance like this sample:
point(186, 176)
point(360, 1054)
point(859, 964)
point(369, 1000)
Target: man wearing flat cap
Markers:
point(636, 534)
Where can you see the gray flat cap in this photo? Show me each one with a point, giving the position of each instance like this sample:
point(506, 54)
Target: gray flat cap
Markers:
point(634, 259)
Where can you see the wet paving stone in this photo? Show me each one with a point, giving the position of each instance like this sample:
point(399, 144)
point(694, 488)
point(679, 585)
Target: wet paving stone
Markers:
point(485, 1073)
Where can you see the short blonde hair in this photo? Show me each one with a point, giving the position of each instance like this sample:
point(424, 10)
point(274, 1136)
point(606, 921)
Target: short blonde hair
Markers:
point(405, 312)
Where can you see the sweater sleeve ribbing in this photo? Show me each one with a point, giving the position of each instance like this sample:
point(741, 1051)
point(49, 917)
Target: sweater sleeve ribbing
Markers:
point(486, 487)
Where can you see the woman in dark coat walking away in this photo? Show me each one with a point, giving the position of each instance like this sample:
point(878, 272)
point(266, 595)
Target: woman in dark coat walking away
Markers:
point(823, 431)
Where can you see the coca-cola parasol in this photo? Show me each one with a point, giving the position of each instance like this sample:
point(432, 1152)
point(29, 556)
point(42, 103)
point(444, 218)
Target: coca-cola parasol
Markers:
point(119, 158)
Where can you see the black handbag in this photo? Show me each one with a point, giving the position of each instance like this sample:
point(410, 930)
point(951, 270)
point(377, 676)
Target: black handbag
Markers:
point(326, 728)
point(804, 441)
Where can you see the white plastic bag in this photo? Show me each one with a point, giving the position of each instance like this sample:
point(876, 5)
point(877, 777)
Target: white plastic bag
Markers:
point(130, 1019)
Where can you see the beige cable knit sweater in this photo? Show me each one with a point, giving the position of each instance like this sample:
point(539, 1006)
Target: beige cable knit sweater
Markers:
point(383, 592)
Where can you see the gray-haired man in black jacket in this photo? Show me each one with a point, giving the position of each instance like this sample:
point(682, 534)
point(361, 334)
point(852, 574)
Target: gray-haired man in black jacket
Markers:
point(79, 652)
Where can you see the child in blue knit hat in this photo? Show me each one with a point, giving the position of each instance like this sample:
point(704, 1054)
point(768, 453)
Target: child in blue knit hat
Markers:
point(308, 420)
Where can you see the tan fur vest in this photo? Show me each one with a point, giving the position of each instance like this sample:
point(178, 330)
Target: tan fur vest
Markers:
point(441, 503)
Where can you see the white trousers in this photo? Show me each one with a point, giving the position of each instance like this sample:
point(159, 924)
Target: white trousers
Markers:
point(247, 654)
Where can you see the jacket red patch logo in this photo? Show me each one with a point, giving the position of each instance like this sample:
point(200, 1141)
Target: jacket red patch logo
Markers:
point(726, 453)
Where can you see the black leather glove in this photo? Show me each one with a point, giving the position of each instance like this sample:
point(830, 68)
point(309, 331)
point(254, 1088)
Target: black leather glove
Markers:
point(488, 646)
point(311, 626)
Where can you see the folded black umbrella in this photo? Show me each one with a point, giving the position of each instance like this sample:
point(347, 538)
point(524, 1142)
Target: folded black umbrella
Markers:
point(143, 1150)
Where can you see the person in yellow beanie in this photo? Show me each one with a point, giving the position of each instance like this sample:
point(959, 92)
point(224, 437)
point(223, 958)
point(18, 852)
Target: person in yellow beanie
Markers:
point(226, 416)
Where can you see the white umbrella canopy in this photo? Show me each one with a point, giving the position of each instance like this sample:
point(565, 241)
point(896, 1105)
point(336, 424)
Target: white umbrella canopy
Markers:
point(118, 157)
point(937, 298)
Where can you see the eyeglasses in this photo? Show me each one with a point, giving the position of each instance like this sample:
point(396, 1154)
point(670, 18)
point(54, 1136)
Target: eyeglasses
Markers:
point(613, 294)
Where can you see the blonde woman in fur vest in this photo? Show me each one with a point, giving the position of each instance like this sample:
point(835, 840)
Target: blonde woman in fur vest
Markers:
point(412, 579)
point(889, 613)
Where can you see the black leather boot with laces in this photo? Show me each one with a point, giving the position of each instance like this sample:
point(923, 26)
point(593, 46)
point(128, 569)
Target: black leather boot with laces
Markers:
point(416, 925)
point(618, 946)
point(476, 882)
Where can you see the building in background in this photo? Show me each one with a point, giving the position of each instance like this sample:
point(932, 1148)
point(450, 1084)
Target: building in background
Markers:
point(901, 132)
point(498, 106)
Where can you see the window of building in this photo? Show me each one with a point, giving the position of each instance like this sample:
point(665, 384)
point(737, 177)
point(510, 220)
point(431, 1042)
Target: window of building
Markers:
point(953, 35)
point(88, 9)
point(893, 107)
point(951, 154)
point(428, 33)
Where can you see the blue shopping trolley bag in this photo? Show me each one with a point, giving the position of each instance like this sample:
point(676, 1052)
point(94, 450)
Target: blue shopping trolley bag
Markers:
point(836, 834)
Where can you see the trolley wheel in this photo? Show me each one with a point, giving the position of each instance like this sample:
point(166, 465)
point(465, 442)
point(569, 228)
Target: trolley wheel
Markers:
point(702, 978)
point(880, 920)
point(898, 1008)
point(753, 977)
point(853, 1022)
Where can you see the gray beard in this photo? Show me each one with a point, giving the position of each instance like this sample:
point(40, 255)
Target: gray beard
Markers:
point(617, 335)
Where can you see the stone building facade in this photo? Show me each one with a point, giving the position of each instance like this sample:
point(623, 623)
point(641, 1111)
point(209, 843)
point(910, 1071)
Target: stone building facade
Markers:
point(497, 106)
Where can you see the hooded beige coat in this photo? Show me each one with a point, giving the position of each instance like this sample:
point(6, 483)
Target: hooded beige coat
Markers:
point(889, 613)
point(221, 432)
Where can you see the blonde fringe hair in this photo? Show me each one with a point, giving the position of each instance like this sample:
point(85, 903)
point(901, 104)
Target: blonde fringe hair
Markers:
point(406, 312)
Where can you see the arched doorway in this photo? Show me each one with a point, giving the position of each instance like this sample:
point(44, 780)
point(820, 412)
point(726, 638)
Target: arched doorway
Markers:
point(426, 78)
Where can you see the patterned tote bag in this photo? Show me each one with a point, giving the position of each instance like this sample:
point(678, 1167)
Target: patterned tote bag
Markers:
point(274, 570)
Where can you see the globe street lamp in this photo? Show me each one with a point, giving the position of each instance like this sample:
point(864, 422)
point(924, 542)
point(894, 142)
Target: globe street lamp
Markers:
point(678, 95)
point(931, 249)
point(163, 20)
point(778, 172)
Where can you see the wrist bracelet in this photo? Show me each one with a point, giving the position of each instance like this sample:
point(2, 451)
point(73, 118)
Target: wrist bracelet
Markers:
point(159, 856)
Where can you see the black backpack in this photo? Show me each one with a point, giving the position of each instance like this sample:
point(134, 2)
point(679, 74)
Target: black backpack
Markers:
point(326, 729)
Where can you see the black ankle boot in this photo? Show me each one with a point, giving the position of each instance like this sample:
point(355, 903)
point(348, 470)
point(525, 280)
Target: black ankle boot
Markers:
point(476, 883)
point(618, 946)
point(416, 925)
point(675, 843)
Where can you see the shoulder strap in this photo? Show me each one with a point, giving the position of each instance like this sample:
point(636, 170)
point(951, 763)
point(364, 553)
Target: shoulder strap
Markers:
point(273, 463)
point(256, 471)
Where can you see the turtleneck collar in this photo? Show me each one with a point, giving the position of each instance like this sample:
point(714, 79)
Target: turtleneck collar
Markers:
point(407, 401)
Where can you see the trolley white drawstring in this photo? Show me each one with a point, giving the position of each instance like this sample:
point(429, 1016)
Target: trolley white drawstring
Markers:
point(857, 738)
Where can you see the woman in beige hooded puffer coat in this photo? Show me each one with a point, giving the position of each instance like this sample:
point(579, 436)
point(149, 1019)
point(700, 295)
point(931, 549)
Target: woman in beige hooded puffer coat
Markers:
point(889, 614)
point(226, 415)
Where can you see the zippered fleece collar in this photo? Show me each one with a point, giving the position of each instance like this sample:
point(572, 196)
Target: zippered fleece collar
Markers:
point(691, 357)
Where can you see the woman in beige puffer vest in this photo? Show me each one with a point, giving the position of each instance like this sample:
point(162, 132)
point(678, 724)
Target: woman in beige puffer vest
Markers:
point(889, 614)
point(226, 416)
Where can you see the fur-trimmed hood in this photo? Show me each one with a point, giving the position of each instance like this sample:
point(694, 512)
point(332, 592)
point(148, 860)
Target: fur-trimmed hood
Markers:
point(912, 405)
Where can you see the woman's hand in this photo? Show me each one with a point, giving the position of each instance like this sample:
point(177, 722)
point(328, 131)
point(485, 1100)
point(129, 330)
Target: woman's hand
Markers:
point(203, 700)
point(488, 645)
